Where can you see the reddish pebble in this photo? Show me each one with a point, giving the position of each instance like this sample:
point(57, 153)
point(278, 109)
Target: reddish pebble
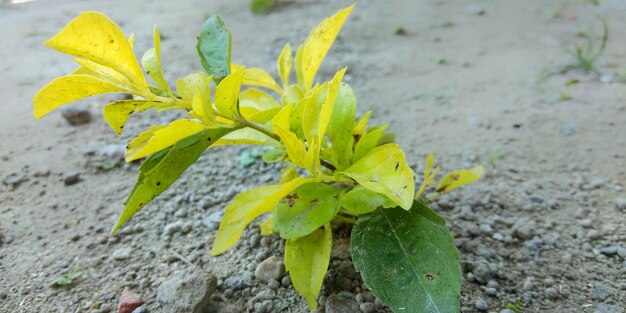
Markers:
point(129, 301)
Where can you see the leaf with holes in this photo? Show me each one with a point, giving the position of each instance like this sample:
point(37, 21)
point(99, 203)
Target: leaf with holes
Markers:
point(408, 259)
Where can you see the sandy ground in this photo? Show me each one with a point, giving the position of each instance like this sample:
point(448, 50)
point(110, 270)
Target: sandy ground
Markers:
point(462, 82)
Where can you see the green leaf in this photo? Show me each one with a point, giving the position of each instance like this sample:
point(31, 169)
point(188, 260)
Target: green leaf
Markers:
point(384, 170)
point(162, 169)
point(340, 126)
point(214, 43)
point(273, 155)
point(66, 280)
point(305, 209)
point(408, 259)
point(307, 260)
point(361, 200)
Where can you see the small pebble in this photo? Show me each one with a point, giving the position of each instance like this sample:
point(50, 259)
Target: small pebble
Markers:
point(76, 116)
point(274, 284)
point(609, 251)
point(105, 307)
point(286, 281)
point(270, 269)
point(507, 311)
point(620, 203)
point(498, 237)
point(367, 307)
point(491, 292)
point(481, 305)
point(3, 295)
point(551, 293)
point(599, 293)
point(71, 179)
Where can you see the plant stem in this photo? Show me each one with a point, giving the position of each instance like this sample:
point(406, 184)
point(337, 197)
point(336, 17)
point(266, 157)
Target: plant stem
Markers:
point(270, 134)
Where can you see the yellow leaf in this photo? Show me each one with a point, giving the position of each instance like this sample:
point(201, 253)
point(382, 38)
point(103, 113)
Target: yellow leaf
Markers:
point(327, 108)
point(284, 64)
point(317, 45)
point(162, 138)
point(95, 37)
point(227, 94)
point(188, 86)
point(105, 73)
point(247, 136)
point(361, 125)
point(66, 89)
point(203, 110)
point(288, 174)
point(459, 178)
point(293, 94)
point(151, 62)
point(247, 206)
point(429, 176)
point(293, 146)
point(266, 227)
point(306, 260)
point(384, 170)
point(281, 119)
point(255, 76)
point(254, 98)
point(117, 113)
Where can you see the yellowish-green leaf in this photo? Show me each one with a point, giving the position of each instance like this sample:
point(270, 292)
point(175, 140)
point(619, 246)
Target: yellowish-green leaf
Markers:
point(295, 148)
point(339, 130)
point(429, 176)
point(258, 77)
point(151, 62)
point(281, 119)
point(288, 174)
point(293, 94)
point(247, 206)
point(384, 170)
point(327, 108)
point(66, 89)
point(105, 73)
point(266, 227)
point(117, 113)
point(203, 110)
point(361, 125)
point(459, 178)
point(254, 98)
point(227, 94)
point(284, 64)
point(306, 209)
point(95, 37)
point(317, 45)
point(188, 86)
point(368, 142)
point(161, 138)
point(361, 200)
point(307, 260)
point(247, 136)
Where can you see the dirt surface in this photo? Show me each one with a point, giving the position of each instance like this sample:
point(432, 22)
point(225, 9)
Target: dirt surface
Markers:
point(546, 227)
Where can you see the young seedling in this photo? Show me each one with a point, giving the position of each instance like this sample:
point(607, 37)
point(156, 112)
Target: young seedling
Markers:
point(586, 55)
point(335, 168)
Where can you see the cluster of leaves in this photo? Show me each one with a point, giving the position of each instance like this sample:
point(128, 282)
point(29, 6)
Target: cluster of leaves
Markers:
point(335, 167)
